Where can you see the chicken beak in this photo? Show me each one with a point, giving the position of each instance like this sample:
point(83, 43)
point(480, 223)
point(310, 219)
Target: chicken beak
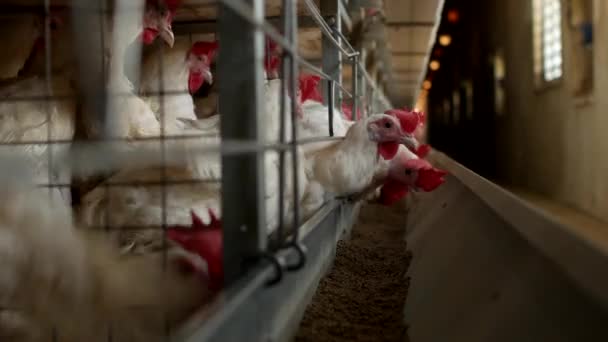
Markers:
point(410, 142)
point(167, 35)
point(208, 76)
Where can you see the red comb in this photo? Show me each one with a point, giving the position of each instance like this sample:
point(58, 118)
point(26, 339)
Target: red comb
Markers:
point(409, 120)
point(205, 48)
point(430, 179)
point(271, 60)
point(392, 191)
point(206, 241)
point(422, 116)
point(309, 88)
point(423, 150)
point(173, 4)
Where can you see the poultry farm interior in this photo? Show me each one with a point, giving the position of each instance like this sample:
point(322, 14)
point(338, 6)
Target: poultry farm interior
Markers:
point(171, 163)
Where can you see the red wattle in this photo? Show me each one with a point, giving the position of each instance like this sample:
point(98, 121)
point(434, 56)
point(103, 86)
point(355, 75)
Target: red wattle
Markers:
point(391, 192)
point(149, 35)
point(195, 82)
point(388, 150)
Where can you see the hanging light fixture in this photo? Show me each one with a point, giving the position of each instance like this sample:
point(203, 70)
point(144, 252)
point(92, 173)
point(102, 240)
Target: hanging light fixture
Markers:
point(445, 39)
point(434, 65)
point(453, 16)
point(426, 85)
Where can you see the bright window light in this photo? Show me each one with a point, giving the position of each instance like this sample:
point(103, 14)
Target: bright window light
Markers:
point(547, 39)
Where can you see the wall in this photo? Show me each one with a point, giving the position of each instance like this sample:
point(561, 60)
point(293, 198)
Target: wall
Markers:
point(546, 141)
point(551, 142)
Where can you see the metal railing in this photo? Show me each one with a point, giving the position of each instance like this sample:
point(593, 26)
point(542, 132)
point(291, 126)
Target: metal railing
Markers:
point(250, 261)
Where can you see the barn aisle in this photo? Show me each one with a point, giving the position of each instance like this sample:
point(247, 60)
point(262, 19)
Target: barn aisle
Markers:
point(363, 296)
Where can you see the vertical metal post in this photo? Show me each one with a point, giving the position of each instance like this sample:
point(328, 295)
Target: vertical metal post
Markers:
point(240, 61)
point(291, 12)
point(330, 106)
point(332, 58)
point(288, 86)
point(90, 42)
point(372, 108)
point(355, 84)
point(363, 83)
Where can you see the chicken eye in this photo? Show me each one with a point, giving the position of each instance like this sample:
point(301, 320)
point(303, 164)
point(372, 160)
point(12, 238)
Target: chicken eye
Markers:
point(387, 124)
point(408, 172)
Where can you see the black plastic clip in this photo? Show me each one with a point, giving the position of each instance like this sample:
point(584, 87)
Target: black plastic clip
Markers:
point(301, 251)
point(278, 263)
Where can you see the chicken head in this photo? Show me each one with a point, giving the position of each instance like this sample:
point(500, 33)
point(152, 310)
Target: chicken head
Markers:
point(405, 174)
point(387, 132)
point(409, 122)
point(157, 21)
point(199, 61)
point(309, 88)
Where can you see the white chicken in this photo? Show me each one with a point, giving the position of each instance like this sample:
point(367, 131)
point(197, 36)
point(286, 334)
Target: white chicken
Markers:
point(346, 167)
point(33, 122)
point(128, 115)
point(185, 68)
point(53, 275)
point(39, 128)
point(138, 206)
point(138, 211)
point(20, 36)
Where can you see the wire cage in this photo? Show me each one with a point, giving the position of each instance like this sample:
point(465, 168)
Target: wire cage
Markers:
point(106, 124)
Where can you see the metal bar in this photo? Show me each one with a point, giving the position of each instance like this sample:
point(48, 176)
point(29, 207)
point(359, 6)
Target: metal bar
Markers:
point(332, 59)
point(49, 90)
point(344, 40)
point(355, 84)
point(362, 83)
point(289, 67)
point(244, 11)
point(291, 14)
point(346, 20)
point(330, 106)
point(331, 9)
point(372, 102)
point(263, 315)
point(240, 60)
point(90, 42)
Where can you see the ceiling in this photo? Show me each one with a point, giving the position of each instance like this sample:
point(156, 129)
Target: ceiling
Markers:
point(410, 28)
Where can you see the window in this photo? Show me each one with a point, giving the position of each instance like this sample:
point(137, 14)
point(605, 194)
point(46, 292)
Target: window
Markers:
point(547, 40)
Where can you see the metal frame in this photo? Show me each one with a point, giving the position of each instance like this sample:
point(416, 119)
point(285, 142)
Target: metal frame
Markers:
point(249, 263)
point(242, 302)
point(244, 228)
point(332, 57)
point(250, 311)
